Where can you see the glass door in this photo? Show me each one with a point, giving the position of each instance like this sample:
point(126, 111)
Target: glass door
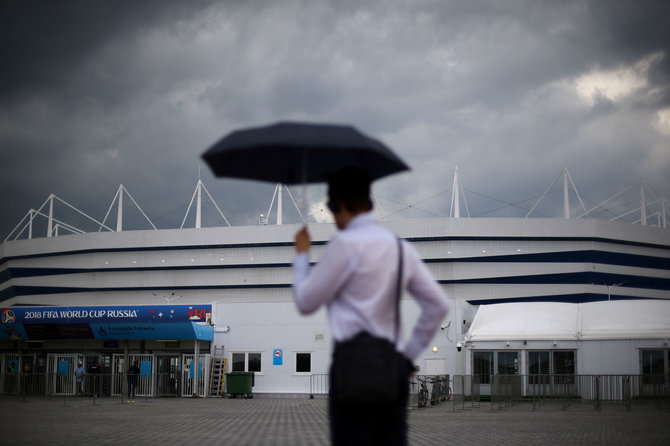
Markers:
point(168, 375)
point(507, 381)
point(482, 369)
point(61, 371)
point(538, 373)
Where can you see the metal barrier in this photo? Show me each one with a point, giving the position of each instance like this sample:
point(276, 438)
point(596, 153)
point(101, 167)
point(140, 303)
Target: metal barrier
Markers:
point(507, 390)
point(319, 384)
point(96, 385)
point(466, 389)
point(502, 390)
point(167, 384)
point(423, 390)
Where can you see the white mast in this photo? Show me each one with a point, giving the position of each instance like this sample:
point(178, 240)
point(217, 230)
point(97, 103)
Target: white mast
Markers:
point(279, 188)
point(643, 205)
point(455, 199)
point(30, 224)
point(280, 209)
point(456, 193)
point(51, 215)
point(566, 195)
point(119, 211)
point(197, 197)
point(198, 206)
point(566, 199)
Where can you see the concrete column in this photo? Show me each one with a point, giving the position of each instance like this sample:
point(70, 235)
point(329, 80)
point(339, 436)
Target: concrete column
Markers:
point(196, 368)
point(124, 383)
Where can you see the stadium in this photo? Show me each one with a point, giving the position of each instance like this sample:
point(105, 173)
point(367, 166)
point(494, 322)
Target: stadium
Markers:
point(223, 294)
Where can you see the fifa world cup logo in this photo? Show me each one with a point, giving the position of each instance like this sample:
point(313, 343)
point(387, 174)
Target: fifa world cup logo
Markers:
point(8, 316)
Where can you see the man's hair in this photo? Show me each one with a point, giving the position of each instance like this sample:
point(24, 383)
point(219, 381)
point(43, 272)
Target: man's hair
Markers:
point(351, 187)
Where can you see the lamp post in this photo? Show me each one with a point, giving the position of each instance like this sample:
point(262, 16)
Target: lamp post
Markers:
point(609, 288)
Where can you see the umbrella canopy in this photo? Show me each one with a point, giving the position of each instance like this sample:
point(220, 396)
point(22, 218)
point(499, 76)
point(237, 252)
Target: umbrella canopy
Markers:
point(294, 152)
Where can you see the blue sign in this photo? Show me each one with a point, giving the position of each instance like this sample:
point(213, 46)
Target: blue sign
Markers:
point(179, 330)
point(12, 366)
point(145, 368)
point(192, 365)
point(203, 332)
point(277, 356)
point(63, 367)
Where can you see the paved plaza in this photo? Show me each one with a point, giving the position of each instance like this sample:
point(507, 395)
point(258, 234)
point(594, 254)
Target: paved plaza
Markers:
point(296, 421)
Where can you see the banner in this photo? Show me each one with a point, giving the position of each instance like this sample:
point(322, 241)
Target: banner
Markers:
point(87, 315)
point(107, 323)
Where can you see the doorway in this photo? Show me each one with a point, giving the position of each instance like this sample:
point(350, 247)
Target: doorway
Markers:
point(61, 372)
point(168, 372)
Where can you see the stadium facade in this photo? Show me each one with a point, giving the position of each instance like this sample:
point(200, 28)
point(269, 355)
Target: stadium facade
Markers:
point(183, 301)
point(242, 276)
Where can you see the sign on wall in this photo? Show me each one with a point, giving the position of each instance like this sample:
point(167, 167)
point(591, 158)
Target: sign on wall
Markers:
point(277, 356)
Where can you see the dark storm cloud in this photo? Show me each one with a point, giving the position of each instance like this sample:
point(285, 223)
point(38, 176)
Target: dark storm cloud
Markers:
point(98, 93)
point(45, 42)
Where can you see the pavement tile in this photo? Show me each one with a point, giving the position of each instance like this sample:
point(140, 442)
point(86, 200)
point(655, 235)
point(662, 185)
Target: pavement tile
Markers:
point(296, 422)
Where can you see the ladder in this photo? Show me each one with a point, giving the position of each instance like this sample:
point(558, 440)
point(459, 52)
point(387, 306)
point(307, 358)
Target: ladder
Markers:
point(217, 373)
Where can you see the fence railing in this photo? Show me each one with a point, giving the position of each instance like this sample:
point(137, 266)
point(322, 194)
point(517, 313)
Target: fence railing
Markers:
point(505, 390)
point(99, 384)
point(471, 390)
point(424, 390)
point(319, 384)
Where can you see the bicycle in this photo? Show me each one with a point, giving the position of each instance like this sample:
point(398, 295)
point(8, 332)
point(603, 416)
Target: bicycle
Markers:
point(423, 392)
point(436, 394)
point(445, 390)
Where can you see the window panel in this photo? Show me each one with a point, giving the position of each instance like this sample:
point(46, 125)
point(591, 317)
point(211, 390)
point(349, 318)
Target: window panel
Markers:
point(653, 366)
point(538, 364)
point(254, 362)
point(564, 366)
point(508, 363)
point(564, 362)
point(246, 362)
point(483, 366)
point(303, 362)
point(239, 362)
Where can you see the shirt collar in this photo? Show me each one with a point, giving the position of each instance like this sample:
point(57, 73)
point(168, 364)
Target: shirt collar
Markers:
point(361, 220)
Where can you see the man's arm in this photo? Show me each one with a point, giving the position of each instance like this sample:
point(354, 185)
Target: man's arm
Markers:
point(432, 300)
point(314, 288)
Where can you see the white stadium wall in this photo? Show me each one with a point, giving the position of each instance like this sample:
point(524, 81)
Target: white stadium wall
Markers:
point(477, 260)
point(245, 274)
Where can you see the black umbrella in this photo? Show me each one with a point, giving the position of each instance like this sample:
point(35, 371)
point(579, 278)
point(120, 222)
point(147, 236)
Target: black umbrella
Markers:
point(294, 152)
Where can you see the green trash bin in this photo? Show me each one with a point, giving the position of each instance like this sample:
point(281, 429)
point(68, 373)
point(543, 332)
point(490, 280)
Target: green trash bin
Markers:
point(239, 383)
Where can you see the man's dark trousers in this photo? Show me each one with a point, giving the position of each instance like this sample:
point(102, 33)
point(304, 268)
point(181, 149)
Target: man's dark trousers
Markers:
point(371, 423)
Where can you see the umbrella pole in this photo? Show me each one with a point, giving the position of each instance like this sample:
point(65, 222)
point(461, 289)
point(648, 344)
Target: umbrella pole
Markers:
point(305, 204)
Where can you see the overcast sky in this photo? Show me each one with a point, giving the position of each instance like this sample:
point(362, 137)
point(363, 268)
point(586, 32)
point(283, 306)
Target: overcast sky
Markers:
point(98, 93)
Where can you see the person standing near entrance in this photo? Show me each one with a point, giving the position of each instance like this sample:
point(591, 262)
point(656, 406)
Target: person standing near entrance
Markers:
point(358, 279)
point(27, 376)
point(94, 370)
point(133, 376)
point(80, 373)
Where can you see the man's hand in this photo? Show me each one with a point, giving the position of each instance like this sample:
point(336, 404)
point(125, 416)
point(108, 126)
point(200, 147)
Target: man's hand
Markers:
point(302, 240)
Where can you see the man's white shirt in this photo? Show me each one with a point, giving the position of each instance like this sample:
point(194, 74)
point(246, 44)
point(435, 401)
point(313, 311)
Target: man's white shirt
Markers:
point(356, 278)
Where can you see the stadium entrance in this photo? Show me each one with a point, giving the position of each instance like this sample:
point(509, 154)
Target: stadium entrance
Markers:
point(42, 348)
